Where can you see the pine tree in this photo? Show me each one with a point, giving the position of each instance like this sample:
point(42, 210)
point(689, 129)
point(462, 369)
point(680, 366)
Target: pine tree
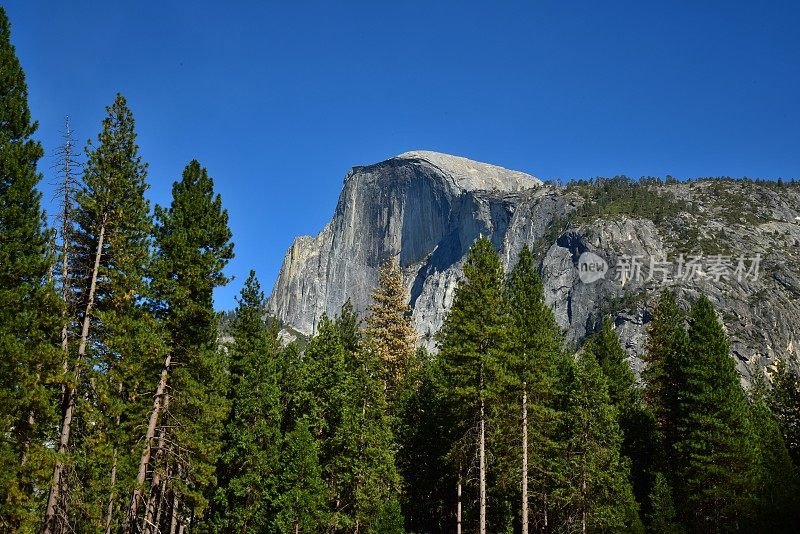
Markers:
point(715, 453)
point(640, 442)
point(784, 400)
point(665, 353)
point(341, 400)
point(348, 328)
point(662, 517)
point(302, 500)
point(425, 436)
point(776, 483)
point(30, 307)
point(535, 356)
point(250, 464)
point(595, 494)
point(192, 248)
point(473, 343)
point(365, 464)
point(389, 324)
point(318, 396)
point(118, 341)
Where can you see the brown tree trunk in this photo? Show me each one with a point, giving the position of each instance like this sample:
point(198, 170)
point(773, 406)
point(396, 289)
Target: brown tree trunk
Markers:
point(70, 394)
point(156, 482)
point(152, 525)
point(158, 401)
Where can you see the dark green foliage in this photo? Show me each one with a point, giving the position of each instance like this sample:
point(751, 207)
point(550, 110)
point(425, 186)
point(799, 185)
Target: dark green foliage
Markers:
point(640, 442)
point(776, 482)
point(784, 400)
point(473, 349)
point(535, 361)
point(663, 374)
point(192, 247)
point(30, 312)
point(302, 499)
point(365, 467)
point(715, 448)
point(338, 394)
point(424, 437)
point(594, 486)
point(250, 465)
point(662, 517)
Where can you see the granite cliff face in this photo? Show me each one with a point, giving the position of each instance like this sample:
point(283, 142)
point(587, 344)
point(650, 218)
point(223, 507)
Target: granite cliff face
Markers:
point(427, 208)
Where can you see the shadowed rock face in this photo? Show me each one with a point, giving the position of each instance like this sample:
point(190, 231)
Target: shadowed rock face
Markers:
point(426, 209)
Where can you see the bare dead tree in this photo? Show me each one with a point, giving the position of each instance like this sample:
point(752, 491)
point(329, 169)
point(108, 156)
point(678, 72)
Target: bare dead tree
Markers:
point(70, 394)
point(68, 168)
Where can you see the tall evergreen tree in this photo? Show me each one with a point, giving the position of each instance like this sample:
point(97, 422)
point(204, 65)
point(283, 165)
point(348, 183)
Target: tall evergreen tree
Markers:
point(536, 352)
point(425, 435)
point(192, 248)
point(473, 344)
point(784, 400)
point(389, 325)
point(662, 516)
point(365, 464)
point(776, 481)
point(249, 468)
point(341, 400)
point(301, 505)
point(30, 307)
point(664, 356)
point(715, 446)
point(117, 341)
point(595, 494)
point(318, 397)
point(640, 443)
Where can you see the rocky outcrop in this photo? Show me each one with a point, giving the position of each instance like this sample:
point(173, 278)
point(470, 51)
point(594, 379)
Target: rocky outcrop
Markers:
point(426, 209)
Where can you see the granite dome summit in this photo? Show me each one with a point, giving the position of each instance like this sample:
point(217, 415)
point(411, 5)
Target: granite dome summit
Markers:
point(472, 175)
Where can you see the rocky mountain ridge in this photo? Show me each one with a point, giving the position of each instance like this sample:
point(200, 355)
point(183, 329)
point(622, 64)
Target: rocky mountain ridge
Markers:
point(737, 241)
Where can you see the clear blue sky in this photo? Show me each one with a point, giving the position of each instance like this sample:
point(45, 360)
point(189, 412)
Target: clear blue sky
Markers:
point(279, 100)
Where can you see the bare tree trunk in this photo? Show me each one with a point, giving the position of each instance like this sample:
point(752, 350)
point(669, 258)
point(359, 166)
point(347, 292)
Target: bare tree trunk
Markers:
point(66, 153)
point(482, 460)
point(174, 523)
point(545, 508)
point(157, 480)
point(110, 512)
point(583, 481)
point(158, 401)
point(70, 394)
point(151, 524)
point(524, 458)
point(458, 508)
point(148, 509)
